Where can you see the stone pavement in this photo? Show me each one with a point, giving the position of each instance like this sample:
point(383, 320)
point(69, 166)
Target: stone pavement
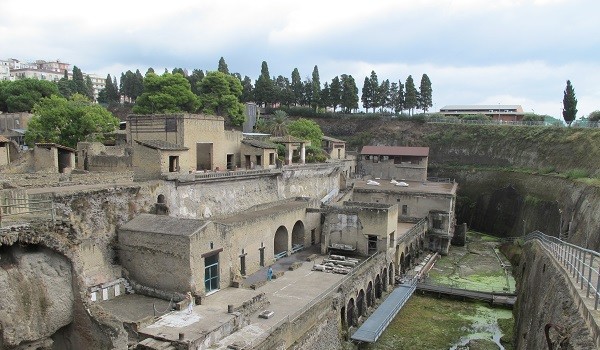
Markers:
point(287, 295)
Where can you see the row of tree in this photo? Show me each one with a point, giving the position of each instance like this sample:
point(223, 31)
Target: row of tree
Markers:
point(341, 92)
point(396, 97)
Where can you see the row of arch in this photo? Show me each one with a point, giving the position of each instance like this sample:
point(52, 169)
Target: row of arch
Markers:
point(358, 305)
point(280, 241)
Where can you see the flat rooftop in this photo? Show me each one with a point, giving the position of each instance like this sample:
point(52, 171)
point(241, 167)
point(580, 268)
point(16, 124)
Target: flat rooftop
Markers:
point(287, 295)
point(447, 188)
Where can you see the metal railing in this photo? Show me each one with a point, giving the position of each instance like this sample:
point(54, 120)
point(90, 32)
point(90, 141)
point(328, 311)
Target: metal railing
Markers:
point(582, 264)
point(21, 206)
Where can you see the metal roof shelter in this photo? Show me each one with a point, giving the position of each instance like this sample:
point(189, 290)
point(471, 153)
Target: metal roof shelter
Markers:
point(372, 328)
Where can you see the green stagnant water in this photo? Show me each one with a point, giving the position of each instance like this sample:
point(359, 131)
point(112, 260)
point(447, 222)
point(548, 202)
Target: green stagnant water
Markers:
point(427, 322)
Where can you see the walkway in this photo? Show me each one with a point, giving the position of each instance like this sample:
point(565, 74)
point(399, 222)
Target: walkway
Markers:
point(372, 328)
point(501, 299)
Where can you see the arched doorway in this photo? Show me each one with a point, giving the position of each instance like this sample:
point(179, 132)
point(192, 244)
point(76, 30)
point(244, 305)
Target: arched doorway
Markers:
point(280, 244)
point(360, 300)
point(391, 274)
point(370, 294)
point(350, 313)
point(297, 235)
point(377, 287)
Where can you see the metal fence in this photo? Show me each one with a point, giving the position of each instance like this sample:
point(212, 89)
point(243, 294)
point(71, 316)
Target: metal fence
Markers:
point(576, 124)
point(582, 264)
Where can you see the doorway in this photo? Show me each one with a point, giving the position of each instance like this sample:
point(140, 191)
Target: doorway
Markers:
point(204, 151)
point(211, 273)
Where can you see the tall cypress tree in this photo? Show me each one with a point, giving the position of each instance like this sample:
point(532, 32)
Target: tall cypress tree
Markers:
point(367, 94)
point(316, 88)
point(263, 89)
point(569, 104)
point(375, 98)
point(425, 94)
point(297, 87)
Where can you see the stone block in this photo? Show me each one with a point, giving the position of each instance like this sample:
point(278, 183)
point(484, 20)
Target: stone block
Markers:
point(295, 265)
point(312, 257)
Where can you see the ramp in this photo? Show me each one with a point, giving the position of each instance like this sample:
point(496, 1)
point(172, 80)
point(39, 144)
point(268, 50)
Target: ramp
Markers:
point(372, 328)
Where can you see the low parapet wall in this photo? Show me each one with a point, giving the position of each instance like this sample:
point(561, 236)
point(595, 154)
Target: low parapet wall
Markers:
point(57, 180)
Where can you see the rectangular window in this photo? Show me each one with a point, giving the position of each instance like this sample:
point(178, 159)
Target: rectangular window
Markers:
point(405, 209)
point(170, 124)
point(271, 158)
point(371, 244)
point(173, 164)
point(437, 223)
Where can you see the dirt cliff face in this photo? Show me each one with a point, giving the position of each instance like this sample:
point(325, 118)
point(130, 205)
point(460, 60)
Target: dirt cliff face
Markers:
point(37, 298)
point(551, 301)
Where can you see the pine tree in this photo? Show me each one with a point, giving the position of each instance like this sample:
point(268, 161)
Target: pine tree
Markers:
point(399, 102)
point(223, 66)
point(297, 87)
point(263, 89)
point(325, 96)
point(89, 88)
point(375, 91)
point(393, 96)
point(247, 90)
point(79, 82)
point(349, 93)
point(411, 98)
point(367, 94)
point(383, 93)
point(335, 93)
point(425, 94)
point(569, 104)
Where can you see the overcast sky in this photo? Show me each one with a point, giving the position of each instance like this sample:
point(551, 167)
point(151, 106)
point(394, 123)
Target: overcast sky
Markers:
point(474, 51)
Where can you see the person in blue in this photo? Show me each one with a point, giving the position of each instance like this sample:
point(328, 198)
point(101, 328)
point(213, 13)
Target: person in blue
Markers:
point(269, 273)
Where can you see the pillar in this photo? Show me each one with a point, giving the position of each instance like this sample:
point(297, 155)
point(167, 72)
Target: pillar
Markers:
point(302, 153)
point(289, 153)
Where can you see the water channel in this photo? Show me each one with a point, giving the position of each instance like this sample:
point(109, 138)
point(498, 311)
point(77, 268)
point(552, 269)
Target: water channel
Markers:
point(429, 322)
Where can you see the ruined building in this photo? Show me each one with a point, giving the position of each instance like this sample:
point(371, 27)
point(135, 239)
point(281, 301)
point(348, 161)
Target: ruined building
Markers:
point(177, 204)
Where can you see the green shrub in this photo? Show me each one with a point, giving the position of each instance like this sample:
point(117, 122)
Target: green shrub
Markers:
point(577, 174)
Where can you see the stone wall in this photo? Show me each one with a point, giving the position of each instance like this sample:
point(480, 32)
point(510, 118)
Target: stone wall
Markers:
point(58, 180)
point(545, 295)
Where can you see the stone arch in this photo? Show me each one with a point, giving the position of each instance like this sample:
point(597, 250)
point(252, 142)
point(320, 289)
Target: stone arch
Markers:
point(350, 313)
point(280, 242)
point(391, 274)
point(343, 318)
point(377, 287)
point(298, 233)
point(370, 294)
point(360, 302)
point(161, 199)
